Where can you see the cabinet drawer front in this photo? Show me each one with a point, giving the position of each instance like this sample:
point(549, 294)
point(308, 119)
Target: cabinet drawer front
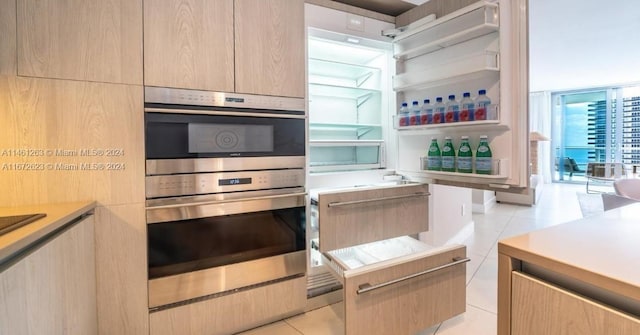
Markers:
point(233, 313)
point(348, 218)
point(397, 299)
point(563, 312)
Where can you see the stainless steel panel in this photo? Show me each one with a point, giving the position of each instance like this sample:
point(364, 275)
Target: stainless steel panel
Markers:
point(165, 95)
point(173, 166)
point(204, 183)
point(210, 198)
point(173, 289)
point(255, 113)
point(169, 213)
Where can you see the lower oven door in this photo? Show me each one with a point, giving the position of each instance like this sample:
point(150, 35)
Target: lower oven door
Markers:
point(218, 246)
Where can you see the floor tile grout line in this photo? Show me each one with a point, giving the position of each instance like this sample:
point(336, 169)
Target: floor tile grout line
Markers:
point(294, 328)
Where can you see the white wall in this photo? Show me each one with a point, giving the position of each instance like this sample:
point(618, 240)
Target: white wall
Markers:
point(583, 43)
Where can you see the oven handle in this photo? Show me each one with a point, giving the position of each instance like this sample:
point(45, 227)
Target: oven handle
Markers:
point(196, 210)
point(217, 202)
point(364, 288)
point(223, 113)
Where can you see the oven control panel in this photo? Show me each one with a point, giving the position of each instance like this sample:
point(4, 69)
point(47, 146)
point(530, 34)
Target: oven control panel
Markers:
point(222, 182)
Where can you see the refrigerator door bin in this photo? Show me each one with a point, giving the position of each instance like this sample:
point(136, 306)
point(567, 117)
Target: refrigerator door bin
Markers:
point(467, 23)
point(479, 65)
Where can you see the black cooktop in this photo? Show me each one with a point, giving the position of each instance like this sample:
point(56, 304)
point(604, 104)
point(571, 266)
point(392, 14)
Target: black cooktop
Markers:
point(9, 223)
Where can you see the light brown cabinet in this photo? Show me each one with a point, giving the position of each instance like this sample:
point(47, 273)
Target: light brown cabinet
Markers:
point(52, 290)
point(542, 308)
point(575, 278)
point(242, 46)
point(89, 137)
point(189, 44)
point(270, 47)
point(232, 313)
point(90, 40)
point(8, 37)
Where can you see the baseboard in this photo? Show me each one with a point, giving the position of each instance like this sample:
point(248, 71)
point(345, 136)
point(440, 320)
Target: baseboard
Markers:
point(484, 207)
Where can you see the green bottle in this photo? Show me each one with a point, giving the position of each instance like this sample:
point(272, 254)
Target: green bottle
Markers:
point(483, 156)
point(448, 156)
point(465, 155)
point(434, 161)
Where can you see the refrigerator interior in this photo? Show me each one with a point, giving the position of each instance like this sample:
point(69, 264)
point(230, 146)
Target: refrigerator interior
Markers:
point(348, 97)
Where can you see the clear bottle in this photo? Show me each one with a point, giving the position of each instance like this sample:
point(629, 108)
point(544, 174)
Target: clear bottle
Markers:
point(439, 109)
point(414, 114)
point(434, 159)
point(448, 156)
point(453, 110)
point(465, 156)
point(482, 105)
point(467, 107)
point(426, 112)
point(483, 156)
point(403, 115)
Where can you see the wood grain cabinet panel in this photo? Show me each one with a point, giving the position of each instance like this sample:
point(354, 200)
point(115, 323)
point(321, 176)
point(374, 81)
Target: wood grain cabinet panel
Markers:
point(270, 47)
point(75, 140)
point(234, 312)
point(541, 308)
point(91, 40)
point(52, 290)
point(121, 267)
point(8, 37)
point(364, 215)
point(79, 141)
point(407, 306)
point(189, 44)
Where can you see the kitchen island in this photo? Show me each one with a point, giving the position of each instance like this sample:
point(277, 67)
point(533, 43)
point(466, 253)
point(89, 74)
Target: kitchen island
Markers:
point(581, 277)
point(47, 271)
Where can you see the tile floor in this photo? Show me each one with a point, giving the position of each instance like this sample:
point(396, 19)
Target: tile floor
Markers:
point(558, 204)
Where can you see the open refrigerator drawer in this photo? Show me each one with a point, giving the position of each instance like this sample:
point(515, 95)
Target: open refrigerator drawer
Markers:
point(392, 283)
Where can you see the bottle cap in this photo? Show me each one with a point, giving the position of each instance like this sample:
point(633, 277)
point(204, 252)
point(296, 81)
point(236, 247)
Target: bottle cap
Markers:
point(466, 94)
point(404, 104)
point(483, 137)
point(415, 102)
point(464, 137)
point(452, 97)
point(447, 137)
point(426, 101)
point(439, 99)
point(481, 92)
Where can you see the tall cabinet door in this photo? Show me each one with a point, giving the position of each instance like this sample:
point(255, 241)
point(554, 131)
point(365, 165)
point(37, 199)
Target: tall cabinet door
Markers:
point(90, 40)
point(189, 44)
point(270, 47)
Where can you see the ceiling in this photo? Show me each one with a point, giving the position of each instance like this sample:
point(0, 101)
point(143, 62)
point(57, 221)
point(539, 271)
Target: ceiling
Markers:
point(389, 7)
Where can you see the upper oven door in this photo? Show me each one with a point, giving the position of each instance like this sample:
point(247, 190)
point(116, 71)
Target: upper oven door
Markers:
point(222, 134)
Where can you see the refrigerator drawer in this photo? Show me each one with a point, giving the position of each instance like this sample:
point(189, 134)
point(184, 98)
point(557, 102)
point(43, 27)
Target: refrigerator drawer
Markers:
point(399, 295)
point(361, 215)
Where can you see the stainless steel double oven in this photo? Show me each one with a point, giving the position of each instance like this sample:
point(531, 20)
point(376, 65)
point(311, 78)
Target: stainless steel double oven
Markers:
point(225, 193)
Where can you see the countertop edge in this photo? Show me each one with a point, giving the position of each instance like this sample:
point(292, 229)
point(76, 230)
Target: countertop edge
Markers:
point(58, 215)
point(585, 275)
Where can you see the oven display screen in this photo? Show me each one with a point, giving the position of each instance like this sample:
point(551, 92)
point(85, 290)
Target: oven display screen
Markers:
point(234, 181)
